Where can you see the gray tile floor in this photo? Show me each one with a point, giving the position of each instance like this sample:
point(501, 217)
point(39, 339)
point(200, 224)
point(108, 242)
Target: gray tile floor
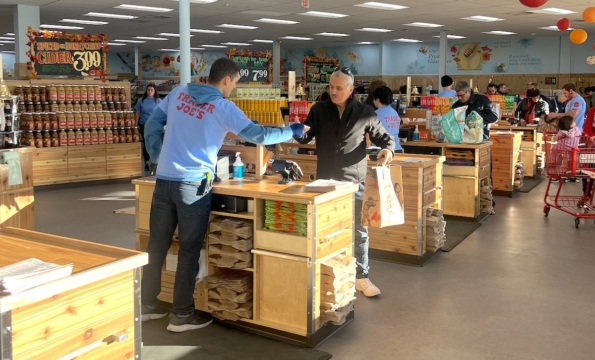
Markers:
point(520, 287)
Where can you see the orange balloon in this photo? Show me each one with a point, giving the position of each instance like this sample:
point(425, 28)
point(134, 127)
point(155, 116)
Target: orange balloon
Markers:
point(578, 36)
point(589, 14)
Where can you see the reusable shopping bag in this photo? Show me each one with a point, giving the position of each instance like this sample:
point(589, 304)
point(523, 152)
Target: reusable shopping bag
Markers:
point(383, 197)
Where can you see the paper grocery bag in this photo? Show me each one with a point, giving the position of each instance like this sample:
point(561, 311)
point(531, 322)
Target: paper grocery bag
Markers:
point(382, 206)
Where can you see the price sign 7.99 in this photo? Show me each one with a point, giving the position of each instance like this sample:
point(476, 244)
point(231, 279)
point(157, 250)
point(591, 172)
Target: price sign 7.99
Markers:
point(253, 69)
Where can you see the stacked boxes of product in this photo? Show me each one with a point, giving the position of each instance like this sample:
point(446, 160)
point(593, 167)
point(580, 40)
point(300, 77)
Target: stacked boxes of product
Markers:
point(337, 293)
point(266, 111)
point(435, 229)
point(438, 105)
point(286, 217)
point(230, 242)
point(506, 103)
point(230, 295)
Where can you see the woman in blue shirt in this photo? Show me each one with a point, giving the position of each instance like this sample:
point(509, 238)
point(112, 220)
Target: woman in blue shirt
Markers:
point(383, 97)
point(144, 108)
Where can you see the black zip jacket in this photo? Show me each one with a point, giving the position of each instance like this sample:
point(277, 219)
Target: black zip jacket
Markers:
point(483, 106)
point(341, 142)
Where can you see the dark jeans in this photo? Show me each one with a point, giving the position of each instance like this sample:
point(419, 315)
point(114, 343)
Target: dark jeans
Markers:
point(362, 240)
point(141, 130)
point(187, 206)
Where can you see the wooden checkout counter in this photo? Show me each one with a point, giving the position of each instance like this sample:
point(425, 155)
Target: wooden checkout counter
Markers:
point(531, 145)
point(16, 208)
point(286, 268)
point(92, 314)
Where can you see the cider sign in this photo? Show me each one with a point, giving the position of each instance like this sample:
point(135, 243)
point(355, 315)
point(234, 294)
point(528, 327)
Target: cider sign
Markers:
point(64, 57)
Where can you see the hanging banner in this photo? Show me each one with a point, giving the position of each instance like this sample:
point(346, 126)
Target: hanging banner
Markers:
point(256, 67)
point(61, 54)
point(319, 70)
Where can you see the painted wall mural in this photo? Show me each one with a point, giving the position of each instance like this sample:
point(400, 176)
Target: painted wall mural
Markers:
point(7, 64)
point(164, 64)
point(361, 59)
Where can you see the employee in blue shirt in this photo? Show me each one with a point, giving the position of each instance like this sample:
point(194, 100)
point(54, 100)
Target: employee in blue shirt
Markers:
point(446, 82)
point(383, 97)
point(198, 116)
point(144, 108)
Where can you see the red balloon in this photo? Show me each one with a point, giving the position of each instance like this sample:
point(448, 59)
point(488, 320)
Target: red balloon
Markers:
point(533, 3)
point(563, 24)
point(166, 60)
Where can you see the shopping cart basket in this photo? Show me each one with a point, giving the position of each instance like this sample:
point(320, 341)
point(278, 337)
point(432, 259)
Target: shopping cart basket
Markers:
point(565, 159)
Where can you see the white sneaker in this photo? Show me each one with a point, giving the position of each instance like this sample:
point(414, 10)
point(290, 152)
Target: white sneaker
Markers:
point(366, 287)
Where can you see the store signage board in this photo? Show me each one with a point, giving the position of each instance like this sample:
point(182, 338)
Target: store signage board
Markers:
point(319, 72)
point(306, 4)
point(254, 68)
point(550, 81)
point(61, 54)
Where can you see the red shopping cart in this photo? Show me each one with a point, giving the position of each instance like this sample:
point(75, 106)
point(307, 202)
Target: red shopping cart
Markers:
point(573, 158)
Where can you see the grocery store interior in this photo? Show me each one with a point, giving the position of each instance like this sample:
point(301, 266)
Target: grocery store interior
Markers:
point(491, 261)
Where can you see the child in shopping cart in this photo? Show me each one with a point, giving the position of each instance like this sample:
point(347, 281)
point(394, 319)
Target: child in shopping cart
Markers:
point(567, 138)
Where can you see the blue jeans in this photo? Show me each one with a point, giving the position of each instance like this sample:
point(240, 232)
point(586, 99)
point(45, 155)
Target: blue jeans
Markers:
point(187, 206)
point(362, 240)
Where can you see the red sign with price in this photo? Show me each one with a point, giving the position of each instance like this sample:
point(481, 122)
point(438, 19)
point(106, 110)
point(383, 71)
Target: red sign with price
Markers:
point(306, 4)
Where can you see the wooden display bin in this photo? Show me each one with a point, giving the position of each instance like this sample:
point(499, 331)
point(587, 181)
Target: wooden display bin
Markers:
point(506, 150)
point(286, 267)
point(531, 145)
point(460, 194)
point(16, 207)
point(77, 316)
point(422, 188)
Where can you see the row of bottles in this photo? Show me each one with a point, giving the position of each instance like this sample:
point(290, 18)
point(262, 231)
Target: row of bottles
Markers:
point(79, 137)
point(55, 107)
point(62, 93)
point(76, 119)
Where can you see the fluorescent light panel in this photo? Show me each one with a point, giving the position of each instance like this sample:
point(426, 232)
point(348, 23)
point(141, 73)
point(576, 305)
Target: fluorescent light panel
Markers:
point(482, 18)
point(423, 24)
point(382, 6)
point(263, 41)
point(60, 27)
point(200, 1)
point(408, 40)
point(131, 41)
point(234, 26)
point(553, 11)
point(206, 31)
point(365, 43)
point(296, 38)
point(236, 44)
point(452, 37)
point(332, 34)
point(214, 46)
point(323, 14)
point(143, 8)
point(498, 32)
point(111, 16)
point(116, 44)
point(169, 49)
point(278, 21)
point(85, 22)
point(553, 28)
point(171, 34)
point(196, 48)
point(3, 38)
point(9, 34)
point(374, 30)
point(149, 38)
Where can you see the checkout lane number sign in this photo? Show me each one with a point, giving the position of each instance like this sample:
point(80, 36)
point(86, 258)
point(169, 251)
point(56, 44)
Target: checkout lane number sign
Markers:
point(63, 57)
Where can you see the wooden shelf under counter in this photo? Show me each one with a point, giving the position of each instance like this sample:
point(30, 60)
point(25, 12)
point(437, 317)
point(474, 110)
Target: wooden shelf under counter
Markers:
point(506, 150)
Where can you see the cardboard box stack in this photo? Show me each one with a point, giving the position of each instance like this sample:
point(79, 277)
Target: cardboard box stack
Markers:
point(485, 197)
point(337, 293)
point(435, 229)
point(230, 295)
point(230, 242)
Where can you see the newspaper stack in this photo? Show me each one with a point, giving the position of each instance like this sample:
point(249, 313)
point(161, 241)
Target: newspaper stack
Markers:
point(29, 273)
point(230, 242)
point(337, 294)
point(230, 295)
point(435, 229)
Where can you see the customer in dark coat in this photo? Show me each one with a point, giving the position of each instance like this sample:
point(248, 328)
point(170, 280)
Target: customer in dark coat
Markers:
point(339, 127)
point(480, 103)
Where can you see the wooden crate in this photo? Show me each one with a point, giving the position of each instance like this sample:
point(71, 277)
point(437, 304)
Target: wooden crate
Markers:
point(505, 153)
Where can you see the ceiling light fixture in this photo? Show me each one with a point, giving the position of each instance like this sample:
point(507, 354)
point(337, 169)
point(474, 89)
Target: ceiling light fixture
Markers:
point(200, 1)
point(197, 48)
point(8, 51)
point(236, 44)
point(171, 34)
point(423, 24)
point(482, 18)
point(143, 8)
point(374, 30)
point(9, 34)
point(111, 16)
point(242, 27)
point(323, 14)
point(553, 11)
point(551, 27)
point(61, 27)
point(407, 40)
point(150, 38)
point(85, 22)
point(498, 32)
point(263, 41)
point(214, 46)
point(169, 49)
point(452, 37)
point(3, 38)
point(296, 38)
point(7, 41)
point(365, 43)
point(131, 41)
point(116, 44)
point(278, 21)
point(382, 6)
point(332, 34)
point(206, 31)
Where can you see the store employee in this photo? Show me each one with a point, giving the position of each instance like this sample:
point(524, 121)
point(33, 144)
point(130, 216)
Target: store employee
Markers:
point(197, 117)
point(575, 106)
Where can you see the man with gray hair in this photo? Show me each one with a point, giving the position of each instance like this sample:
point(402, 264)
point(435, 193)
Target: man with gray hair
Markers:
point(478, 103)
point(340, 127)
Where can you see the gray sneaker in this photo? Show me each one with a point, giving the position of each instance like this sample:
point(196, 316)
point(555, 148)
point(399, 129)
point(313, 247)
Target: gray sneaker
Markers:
point(195, 321)
point(152, 314)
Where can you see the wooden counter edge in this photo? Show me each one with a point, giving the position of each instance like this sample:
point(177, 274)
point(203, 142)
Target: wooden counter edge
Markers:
point(24, 149)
